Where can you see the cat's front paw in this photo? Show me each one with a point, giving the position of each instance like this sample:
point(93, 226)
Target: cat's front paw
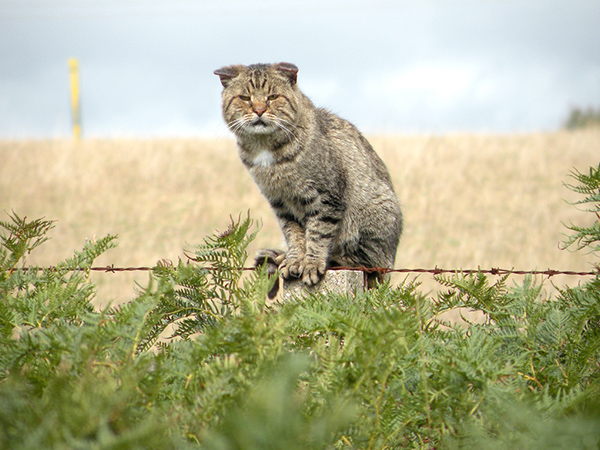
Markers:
point(313, 270)
point(291, 267)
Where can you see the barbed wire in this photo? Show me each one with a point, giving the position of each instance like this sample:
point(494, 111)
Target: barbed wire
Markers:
point(493, 271)
point(381, 270)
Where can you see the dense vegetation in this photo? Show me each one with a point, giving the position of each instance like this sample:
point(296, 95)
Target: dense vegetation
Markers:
point(199, 360)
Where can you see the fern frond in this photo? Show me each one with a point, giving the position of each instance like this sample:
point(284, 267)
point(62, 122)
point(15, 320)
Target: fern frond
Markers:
point(84, 259)
point(19, 238)
point(475, 292)
point(589, 185)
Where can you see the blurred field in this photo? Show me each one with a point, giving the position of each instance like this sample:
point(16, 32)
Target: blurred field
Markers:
point(469, 200)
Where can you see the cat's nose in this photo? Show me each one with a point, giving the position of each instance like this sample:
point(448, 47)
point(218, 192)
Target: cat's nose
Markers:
point(259, 108)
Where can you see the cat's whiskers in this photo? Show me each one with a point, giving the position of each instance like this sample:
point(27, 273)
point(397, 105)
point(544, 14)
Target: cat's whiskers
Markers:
point(240, 123)
point(236, 124)
point(290, 134)
point(281, 120)
point(284, 125)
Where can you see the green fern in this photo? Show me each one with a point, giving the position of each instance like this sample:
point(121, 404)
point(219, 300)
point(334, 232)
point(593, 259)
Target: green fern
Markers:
point(193, 296)
point(19, 238)
point(588, 185)
point(199, 359)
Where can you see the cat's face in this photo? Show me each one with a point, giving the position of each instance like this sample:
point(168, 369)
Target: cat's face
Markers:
point(260, 99)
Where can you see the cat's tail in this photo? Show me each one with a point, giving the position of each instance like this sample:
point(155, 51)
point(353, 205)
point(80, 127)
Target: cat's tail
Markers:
point(272, 259)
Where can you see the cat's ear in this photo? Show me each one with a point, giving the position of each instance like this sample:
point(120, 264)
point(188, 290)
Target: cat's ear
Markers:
point(289, 69)
point(228, 73)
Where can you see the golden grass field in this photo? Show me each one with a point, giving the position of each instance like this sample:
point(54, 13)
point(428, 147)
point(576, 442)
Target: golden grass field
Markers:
point(469, 200)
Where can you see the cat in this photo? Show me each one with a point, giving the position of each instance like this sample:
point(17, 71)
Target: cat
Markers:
point(331, 193)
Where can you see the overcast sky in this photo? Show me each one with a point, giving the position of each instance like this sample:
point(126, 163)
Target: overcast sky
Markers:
point(386, 65)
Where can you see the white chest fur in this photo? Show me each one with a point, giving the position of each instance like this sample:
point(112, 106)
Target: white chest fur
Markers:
point(264, 159)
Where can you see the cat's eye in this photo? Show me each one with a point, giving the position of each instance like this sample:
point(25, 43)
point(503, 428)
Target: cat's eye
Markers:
point(273, 97)
point(244, 98)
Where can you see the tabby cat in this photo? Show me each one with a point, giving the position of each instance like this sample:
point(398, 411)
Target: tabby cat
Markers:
point(331, 193)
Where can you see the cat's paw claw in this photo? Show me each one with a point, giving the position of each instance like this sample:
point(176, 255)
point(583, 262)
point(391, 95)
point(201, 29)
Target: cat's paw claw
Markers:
point(313, 270)
point(291, 267)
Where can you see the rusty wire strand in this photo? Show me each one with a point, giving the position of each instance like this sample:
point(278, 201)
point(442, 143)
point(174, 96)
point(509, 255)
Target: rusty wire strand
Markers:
point(381, 270)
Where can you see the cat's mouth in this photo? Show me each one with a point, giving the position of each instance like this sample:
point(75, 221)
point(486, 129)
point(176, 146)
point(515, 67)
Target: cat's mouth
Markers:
point(259, 122)
point(260, 126)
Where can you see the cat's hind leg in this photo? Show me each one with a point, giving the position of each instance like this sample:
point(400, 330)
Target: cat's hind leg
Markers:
point(272, 259)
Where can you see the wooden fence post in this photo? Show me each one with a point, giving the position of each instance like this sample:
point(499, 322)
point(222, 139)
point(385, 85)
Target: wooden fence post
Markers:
point(334, 281)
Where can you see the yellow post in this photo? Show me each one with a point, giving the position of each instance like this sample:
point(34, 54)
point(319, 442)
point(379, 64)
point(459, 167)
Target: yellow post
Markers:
point(74, 78)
